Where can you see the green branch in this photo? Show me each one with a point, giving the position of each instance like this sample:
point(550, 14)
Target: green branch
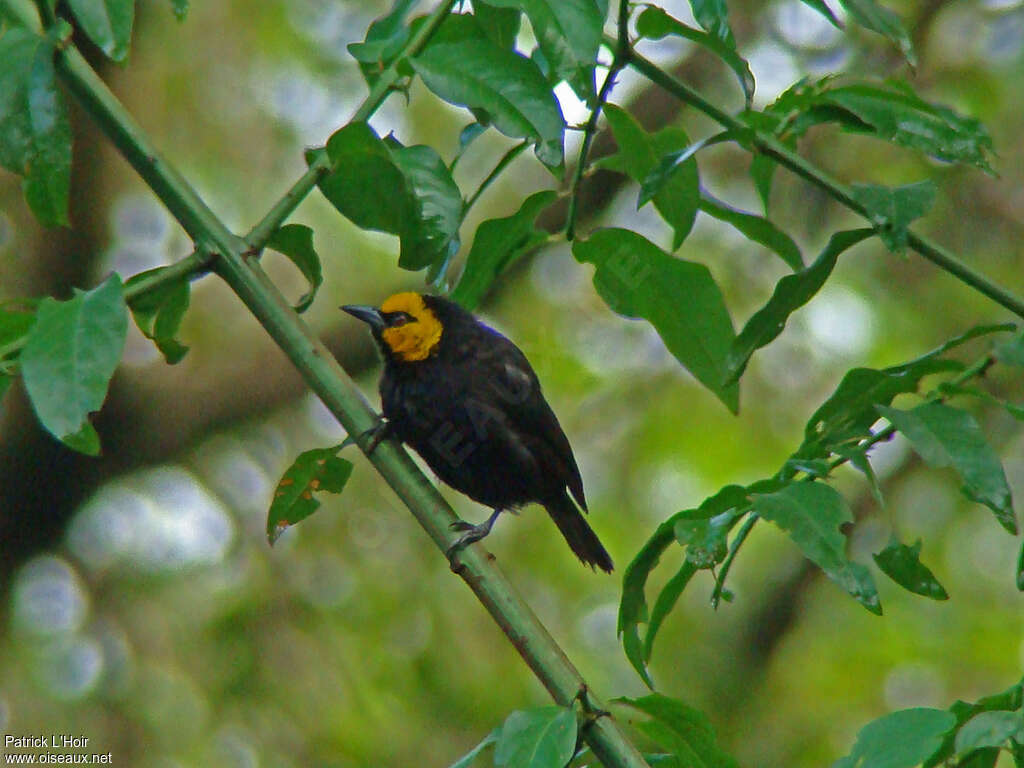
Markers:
point(234, 263)
point(787, 158)
point(507, 158)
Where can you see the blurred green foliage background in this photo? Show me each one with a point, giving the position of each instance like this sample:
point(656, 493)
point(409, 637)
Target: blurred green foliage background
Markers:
point(143, 607)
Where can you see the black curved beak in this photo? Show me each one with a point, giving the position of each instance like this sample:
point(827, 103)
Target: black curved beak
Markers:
point(369, 315)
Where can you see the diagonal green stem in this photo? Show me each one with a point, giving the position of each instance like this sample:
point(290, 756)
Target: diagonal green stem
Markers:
point(507, 158)
point(787, 158)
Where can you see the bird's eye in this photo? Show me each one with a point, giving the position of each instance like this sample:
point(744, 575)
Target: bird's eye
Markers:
point(399, 320)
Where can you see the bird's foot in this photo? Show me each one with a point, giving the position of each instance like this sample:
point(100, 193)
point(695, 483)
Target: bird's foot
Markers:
point(376, 434)
point(470, 534)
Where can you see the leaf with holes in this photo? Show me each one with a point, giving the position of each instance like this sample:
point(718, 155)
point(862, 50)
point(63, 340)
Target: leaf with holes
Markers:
point(296, 242)
point(811, 513)
point(542, 737)
point(463, 66)
point(902, 564)
point(158, 313)
point(320, 469)
point(108, 23)
point(497, 243)
point(945, 436)
point(791, 293)
point(69, 357)
point(679, 298)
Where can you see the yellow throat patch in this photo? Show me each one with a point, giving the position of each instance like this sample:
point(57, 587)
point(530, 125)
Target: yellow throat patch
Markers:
point(416, 339)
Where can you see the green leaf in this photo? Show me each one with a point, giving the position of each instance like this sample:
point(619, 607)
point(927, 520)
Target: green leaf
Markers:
point(498, 242)
point(681, 729)
point(13, 326)
point(667, 599)
point(896, 114)
point(902, 564)
point(35, 139)
point(569, 34)
point(945, 436)
point(108, 23)
point(180, 8)
point(811, 513)
point(891, 209)
point(1009, 699)
point(679, 298)
point(406, 191)
point(433, 234)
point(989, 729)
point(822, 7)
point(756, 228)
point(872, 16)
point(655, 24)
point(463, 66)
point(499, 24)
point(713, 15)
point(467, 136)
point(470, 757)
point(791, 293)
point(899, 740)
point(158, 313)
point(69, 357)
point(543, 737)
point(384, 40)
point(319, 469)
point(667, 166)
point(296, 242)
point(639, 155)
point(762, 171)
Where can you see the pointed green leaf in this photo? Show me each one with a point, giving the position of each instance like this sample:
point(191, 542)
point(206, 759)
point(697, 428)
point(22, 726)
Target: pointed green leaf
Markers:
point(296, 242)
point(158, 313)
point(667, 165)
point(667, 599)
point(69, 357)
point(639, 155)
point(655, 24)
point(320, 469)
point(683, 730)
point(543, 737)
point(872, 16)
point(470, 757)
point(1010, 699)
point(497, 243)
point(811, 513)
point(762, 171)
point(756, 228)
point(902, 564)
point(713, 15)
point(18, 47)
point(891, 209)
point(900, 739)
point(791, 293)
point(499, 24)
point(108, 23)
point(945, 436)
point(822, 7)
point(679, 298)
point(568, 34)
point(463, 66)
point(384, 40)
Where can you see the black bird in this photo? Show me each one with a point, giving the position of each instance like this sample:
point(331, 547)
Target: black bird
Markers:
point(467, 399)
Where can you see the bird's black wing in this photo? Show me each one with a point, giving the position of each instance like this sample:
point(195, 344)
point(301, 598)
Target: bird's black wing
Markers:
point(509, 380)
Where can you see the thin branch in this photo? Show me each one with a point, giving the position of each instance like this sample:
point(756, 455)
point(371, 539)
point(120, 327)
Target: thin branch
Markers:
point(619, 60)
point(787, 158)
point(507, 158)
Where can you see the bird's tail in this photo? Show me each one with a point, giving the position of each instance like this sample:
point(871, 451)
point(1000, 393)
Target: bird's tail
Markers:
point(578, 533)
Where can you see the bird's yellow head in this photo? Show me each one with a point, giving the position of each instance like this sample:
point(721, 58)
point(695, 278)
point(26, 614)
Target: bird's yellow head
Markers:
point(407, 328)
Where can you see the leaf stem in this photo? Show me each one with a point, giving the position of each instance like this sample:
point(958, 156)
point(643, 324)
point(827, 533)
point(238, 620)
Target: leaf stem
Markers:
point(787, 158)
point(619, 61)
point(734, 548)
point(507, 158)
